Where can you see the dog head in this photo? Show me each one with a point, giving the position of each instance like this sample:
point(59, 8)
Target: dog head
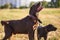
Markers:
point(36, 7)
point(50, 27)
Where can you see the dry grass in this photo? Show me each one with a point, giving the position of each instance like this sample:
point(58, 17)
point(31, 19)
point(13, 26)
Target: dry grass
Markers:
point(47, 16)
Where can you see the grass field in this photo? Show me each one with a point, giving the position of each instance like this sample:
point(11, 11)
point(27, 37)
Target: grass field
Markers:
point(47, 16)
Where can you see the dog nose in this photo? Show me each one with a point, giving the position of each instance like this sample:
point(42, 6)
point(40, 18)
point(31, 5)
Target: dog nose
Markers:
point(56, 28)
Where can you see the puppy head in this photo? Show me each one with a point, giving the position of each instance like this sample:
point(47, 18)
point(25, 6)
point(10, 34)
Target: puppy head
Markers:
point(50, 27)
point(36, 7)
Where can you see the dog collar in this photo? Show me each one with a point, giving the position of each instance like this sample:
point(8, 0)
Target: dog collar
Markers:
point(32, 16)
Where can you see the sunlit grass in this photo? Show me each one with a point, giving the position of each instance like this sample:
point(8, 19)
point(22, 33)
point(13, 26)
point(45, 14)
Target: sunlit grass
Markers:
point(47, 16)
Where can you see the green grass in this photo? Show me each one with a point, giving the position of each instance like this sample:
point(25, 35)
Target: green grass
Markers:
point(47, 16)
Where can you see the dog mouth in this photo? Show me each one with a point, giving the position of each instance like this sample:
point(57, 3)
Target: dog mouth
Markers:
point(39, 8)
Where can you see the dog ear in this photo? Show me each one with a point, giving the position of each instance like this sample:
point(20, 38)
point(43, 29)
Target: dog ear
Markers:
point(38, 3)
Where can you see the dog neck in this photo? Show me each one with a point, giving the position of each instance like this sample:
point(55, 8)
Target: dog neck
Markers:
point(46, 30)
point(32, 16)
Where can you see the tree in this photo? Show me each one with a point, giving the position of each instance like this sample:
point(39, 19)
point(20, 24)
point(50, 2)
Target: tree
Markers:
point(58, 3)
point(44, 3)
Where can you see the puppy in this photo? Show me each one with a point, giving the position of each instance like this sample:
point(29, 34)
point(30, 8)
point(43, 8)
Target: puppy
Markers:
point(43, 31)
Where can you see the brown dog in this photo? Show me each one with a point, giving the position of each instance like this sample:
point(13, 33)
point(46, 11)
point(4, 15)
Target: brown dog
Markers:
point(24, 25)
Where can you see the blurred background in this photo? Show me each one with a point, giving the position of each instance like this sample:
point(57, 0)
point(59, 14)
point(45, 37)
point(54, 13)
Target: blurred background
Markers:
point(28, 3)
